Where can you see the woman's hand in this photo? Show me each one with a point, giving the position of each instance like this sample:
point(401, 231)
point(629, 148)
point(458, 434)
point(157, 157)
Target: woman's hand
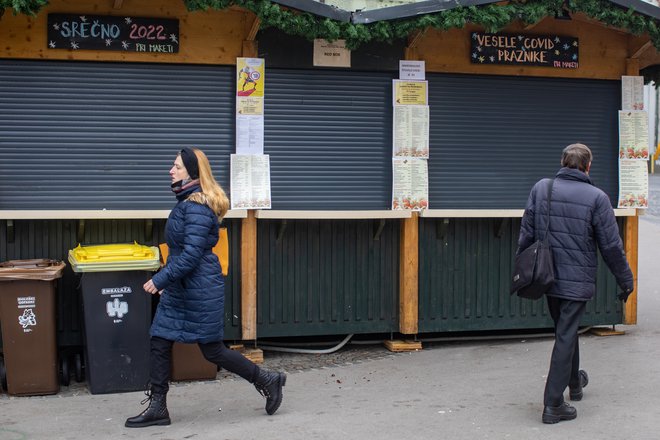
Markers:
point(150, 287)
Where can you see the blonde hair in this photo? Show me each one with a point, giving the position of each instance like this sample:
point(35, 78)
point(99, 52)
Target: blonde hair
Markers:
point(212, 193)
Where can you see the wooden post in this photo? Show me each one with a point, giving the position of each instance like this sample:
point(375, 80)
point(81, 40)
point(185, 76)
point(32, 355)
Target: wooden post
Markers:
point(249, 277)
point(631, 237)
point(631, 234)
point(249, 234)
point(409, 276)
point(409, 247)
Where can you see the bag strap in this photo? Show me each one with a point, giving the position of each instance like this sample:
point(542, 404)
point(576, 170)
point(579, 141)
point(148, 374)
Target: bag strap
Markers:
point(547, 223)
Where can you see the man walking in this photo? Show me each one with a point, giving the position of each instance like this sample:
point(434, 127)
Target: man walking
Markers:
point(581, 220)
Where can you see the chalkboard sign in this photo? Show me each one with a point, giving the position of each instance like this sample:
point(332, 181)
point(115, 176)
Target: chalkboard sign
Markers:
point(530, 50)
point(106, 32)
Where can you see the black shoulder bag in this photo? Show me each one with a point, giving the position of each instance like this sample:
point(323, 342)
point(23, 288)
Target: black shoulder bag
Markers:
point(533, 269)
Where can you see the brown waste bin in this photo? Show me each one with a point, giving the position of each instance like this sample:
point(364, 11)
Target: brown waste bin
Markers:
point(188, 363)
point(27, 316)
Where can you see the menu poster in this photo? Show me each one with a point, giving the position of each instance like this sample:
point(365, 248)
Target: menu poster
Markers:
point(633, 184)
point(633, 135)
point(632, 93)
point(249, 134)
point(411, 131)
point(250, 82)
point(410, 92)
point(250, 181)
point(410, 183)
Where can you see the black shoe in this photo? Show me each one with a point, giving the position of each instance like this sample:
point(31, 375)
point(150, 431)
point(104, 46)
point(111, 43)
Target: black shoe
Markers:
point(555, 414)
point(576, 393)
point(155, 414)
point(269, 384)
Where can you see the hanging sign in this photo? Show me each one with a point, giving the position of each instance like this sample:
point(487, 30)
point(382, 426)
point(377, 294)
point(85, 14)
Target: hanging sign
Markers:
point(106, 32)
point(525, 50)
point(331, 54)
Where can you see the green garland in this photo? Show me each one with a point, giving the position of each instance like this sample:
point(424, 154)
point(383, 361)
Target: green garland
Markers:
point(27, 7)
point(492, 17)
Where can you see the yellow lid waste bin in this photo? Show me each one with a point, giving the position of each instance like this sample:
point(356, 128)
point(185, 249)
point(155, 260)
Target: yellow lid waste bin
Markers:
point(117, 313)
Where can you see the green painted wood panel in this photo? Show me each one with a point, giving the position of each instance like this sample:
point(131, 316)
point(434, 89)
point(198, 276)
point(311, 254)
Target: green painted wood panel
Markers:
point(465, 265)
point(327, 277)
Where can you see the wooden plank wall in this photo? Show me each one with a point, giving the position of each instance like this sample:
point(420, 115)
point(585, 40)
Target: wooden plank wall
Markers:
point(211, 37)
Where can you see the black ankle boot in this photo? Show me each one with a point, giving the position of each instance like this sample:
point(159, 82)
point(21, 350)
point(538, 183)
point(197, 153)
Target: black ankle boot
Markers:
point(577, 393)
point(155, 414)
point(269, 384)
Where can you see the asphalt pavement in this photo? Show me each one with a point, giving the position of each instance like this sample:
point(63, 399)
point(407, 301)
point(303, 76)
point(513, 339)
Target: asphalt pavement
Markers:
point(490, 389)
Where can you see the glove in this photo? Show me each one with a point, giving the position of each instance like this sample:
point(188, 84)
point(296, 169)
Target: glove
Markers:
point(623, 296)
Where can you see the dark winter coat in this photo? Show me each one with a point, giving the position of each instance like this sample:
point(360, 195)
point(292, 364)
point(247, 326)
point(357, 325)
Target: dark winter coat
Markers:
point(581, 219)
point(191, 308)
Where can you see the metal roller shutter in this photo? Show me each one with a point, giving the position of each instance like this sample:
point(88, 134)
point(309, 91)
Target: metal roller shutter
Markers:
point(492, 138)
point(329, 136)
point(79, 135)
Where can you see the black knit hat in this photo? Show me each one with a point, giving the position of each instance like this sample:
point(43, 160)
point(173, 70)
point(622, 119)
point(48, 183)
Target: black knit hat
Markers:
point(189, 160)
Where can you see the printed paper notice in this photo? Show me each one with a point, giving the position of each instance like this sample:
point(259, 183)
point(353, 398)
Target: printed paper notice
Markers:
point(410, 92)
point(250, 82)
point(632, 93)
point(633, 184)
point(410, 183)
point(249, 134)
point(411, 131)
point(633, 135)
point(250, 181)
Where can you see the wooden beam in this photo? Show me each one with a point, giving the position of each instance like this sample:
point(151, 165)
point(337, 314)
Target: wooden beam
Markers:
point(118, 4)
point(249, 277)
point(644, 47)
point(409, 276)
point(252, 33)
point(250, 49)
point(415, 37)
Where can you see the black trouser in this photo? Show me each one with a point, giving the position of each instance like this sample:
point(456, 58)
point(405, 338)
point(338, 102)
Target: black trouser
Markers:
point(215, 352)
point(565, 362)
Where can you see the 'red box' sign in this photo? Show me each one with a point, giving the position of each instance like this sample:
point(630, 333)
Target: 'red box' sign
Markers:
point(107, 32)
point(525, 50)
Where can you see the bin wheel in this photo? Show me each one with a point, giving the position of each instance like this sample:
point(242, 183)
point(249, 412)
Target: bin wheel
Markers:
point(64, 371)
point(79, 373)
point(3, 375)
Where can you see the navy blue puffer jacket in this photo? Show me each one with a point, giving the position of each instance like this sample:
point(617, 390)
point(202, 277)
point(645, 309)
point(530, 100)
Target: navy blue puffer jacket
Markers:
point(191, 308)
point(581, 219)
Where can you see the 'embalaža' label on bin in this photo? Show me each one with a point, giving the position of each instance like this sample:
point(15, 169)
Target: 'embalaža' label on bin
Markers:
point(116, 309)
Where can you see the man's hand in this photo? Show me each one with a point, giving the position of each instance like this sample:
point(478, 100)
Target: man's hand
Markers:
point(623, 296)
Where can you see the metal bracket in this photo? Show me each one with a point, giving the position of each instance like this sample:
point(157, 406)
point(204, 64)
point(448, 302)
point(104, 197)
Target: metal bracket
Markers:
point(379, 229)
point(80, 233)
point(148, 230)
point(11, 232)
point(499, 227)
point(441, 229)
point(280, 230)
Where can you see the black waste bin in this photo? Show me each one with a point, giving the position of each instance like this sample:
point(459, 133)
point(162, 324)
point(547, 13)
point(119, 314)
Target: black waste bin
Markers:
point(117, 314)
point(27, 316)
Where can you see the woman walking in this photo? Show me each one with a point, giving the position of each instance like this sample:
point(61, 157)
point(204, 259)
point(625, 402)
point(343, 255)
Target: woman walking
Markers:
point(191, 307)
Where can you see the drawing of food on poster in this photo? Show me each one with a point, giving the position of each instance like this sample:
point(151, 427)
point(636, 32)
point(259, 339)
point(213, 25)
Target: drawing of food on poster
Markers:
point(633, 135)
point(633, 184)
point(410, 185)
point(250, 181)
